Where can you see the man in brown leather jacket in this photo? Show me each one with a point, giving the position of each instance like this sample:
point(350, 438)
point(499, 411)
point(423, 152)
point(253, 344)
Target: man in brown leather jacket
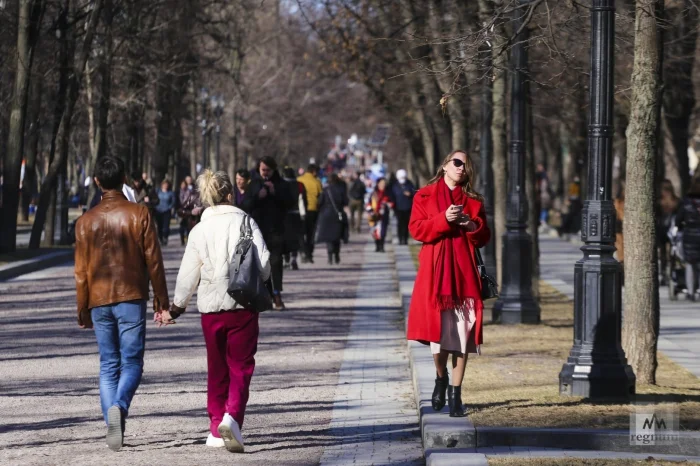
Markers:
point(116, 252)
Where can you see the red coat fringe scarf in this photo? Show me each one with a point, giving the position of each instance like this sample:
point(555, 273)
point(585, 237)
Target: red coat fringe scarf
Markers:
point(447, 275)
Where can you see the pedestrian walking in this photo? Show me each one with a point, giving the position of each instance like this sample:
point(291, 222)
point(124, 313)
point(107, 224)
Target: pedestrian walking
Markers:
point(116, 254)
point(241, 198)
point(271, 198)
point(446, 308)
point(164, 210)
point(294, 221)
point(189, 208)
point(332, 219)
point(378, 210)
point(688, 221)
point(230, 331)
point(313, 188)
point(143, 191)
point(357, 202)
point(667, 206)
point(544, 194)
point(402, 192)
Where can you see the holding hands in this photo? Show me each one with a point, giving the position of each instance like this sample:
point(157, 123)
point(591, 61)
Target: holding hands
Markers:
point(163, 318)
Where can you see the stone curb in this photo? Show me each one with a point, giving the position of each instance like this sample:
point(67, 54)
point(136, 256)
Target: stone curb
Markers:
point(447, 441)
point(451, 440)
point(18, 268)
point(583, 439)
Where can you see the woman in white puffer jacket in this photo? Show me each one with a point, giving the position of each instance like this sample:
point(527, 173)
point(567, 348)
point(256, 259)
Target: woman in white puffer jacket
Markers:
point(230, 332)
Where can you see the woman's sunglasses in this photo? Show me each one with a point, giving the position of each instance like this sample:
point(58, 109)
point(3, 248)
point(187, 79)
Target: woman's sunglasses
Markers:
point(457, 163)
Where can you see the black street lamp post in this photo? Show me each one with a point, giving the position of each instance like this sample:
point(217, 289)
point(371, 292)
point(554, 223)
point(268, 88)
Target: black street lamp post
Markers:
point(486, 151)
point(204, 99)
point(597, 366)
point(517, 303)
point(218, 106)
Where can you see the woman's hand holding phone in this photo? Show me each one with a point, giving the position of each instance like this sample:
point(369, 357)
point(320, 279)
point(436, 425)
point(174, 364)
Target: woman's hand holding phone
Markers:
point(465, 221)
point(453, 213)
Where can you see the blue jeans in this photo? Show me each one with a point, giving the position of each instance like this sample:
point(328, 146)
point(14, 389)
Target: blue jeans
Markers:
point(120, 329)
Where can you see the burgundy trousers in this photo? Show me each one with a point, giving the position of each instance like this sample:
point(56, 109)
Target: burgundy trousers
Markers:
point(231, 338)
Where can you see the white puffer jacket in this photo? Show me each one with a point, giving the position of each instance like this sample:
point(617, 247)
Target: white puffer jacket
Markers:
point(207, 259)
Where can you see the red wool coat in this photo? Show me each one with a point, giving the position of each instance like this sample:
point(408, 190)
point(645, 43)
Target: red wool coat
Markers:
point(429, 226)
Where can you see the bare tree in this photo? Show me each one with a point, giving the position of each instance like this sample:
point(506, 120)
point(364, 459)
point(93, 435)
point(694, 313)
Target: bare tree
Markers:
point(29, 21)
point(63, 130)
point(641, 312)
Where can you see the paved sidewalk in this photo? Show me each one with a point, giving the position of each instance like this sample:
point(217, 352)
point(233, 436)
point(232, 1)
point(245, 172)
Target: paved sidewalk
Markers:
point(374, 409)
point(679, 336)
point(49, 402)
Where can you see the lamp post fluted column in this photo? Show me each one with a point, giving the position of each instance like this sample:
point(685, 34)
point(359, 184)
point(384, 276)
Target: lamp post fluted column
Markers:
point(517, 303)
point(597, 366)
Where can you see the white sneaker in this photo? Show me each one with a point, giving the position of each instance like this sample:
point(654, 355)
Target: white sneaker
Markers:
point(231, 433)
point(215, 442)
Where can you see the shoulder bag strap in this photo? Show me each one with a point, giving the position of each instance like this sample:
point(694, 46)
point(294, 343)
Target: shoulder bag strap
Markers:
point(330, 196)
point(479, 260)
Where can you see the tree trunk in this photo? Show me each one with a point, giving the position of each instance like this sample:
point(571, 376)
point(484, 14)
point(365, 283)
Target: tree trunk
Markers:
point(105, 72)
point(64, 126)
point(29, 19)
point(641, 311)
point(498, 76)
point(679, 95)
point(33, 137)
point(440, 60)
point(500, 156)
point(164, 100)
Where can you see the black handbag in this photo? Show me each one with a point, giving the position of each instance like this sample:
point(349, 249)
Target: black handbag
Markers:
point(489, 287)
point(246, 285)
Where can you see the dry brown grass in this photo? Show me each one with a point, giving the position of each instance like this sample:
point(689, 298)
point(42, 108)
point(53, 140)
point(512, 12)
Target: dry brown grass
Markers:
point(515, 380)
point(506, 461)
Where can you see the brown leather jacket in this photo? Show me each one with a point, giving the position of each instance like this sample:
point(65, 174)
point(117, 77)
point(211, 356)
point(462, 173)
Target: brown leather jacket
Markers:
point(116, 251)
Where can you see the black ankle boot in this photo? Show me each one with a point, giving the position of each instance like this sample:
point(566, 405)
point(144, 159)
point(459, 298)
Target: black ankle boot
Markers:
point(330, 258)
point(438, 398)
point(454, 398)
point(337, 258)
point(376, 245)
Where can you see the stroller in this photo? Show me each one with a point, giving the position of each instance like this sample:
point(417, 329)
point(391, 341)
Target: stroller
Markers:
point(676, 264)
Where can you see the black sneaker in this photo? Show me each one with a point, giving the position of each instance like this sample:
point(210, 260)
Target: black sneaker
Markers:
point(115, 428)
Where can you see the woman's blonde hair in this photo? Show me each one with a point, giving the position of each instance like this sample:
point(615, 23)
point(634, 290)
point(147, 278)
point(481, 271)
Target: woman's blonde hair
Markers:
point(214, 188)
point(468, 183)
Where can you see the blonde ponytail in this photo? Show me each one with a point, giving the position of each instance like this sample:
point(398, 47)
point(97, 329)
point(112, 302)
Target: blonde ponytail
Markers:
point(214, 188)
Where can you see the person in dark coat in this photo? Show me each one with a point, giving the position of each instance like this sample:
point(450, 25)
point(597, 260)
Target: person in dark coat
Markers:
point(271, 198)
point(189, 208)
point(402, 192)
point(293, 222)
point(332, 220)
point(241, 193)
point(357, 202)
point(688, 221)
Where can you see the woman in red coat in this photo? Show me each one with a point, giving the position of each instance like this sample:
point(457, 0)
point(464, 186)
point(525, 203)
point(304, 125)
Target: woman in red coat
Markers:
point(446, 308)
